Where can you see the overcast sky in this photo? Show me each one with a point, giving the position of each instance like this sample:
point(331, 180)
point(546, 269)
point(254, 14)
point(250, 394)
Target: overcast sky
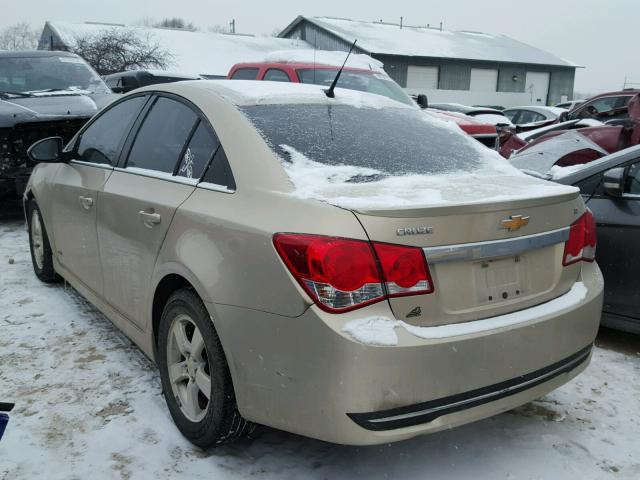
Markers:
point(601, 35)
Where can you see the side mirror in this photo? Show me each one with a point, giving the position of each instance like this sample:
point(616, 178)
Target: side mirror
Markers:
point(117, 89)
point(613, 182)
point(47, 150)
point(564, 116)
point(422, 100)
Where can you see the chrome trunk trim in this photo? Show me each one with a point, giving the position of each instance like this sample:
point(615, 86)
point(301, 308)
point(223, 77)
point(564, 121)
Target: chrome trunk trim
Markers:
point(468, 252)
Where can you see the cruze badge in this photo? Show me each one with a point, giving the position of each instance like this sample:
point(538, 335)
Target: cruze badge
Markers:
point(514, 222)
point(401, 232)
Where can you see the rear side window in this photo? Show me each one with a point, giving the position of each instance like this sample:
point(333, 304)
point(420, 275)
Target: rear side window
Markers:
point(100, 142)
point(276, 75)
point(162, 137)
point(245, 74)
point(219, 172)
point(201, 148)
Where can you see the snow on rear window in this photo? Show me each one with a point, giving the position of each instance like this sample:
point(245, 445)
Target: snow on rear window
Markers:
point(361, 157)
point(391, 141)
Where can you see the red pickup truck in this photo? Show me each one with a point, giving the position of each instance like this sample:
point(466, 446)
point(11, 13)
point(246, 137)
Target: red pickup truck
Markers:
point(366, 80)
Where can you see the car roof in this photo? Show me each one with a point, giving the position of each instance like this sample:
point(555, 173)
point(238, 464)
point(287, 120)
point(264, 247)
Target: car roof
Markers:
point(300, 65)
point(251, 92)
point(35, 53)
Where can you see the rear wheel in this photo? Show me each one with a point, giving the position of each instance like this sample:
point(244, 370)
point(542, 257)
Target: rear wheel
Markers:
point(195, 377)
point(41, 255)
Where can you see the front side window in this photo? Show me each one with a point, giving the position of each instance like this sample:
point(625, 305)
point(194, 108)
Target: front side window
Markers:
point(276, 75)
point(48, 74)
point(632, 186)
point(511, 115)
point(101, 141)
point(201, 148)
point(245, 74)
point(601, 105)
point(162, 136)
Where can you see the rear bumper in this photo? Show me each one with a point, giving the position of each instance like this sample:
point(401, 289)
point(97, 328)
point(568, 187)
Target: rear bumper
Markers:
point(306, 376)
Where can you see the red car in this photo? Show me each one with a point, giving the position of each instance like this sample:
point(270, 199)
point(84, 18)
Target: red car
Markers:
point(362, 79)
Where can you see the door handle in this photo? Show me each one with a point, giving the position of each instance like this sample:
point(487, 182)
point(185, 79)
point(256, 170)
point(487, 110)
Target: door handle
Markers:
point(149, 219)
point(86, 202)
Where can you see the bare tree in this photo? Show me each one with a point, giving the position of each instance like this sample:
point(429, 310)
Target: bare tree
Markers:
point(176, 22)
point(116, 50)
point(18, 37)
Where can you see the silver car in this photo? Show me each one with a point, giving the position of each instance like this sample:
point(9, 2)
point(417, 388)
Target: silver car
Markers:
point(344, 268)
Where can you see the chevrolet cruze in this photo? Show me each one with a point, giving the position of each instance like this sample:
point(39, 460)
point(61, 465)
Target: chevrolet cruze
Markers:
point(342, 267)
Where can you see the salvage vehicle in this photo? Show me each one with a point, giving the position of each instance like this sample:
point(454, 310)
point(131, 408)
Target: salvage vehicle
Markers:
point(124, 82)
point(374, 287)
point(568, 145)
point(611, 189)
point(534, 116)
point(484, 114)
point(372, 80)
point(42, 93)
point(5, 408)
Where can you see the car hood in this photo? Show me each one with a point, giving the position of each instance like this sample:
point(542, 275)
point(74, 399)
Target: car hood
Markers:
point(50, 107)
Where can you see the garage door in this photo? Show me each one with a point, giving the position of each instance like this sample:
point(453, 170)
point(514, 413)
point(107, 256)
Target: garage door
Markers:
point(537, 85)
point(425, 78)
point(483, 80)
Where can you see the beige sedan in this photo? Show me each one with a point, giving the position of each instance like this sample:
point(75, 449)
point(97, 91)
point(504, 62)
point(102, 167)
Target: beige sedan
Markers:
point(343, 268)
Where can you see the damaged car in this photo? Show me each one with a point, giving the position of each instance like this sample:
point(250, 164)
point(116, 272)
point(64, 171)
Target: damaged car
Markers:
point(299, 257)
point(42, 94)
point(569, 143)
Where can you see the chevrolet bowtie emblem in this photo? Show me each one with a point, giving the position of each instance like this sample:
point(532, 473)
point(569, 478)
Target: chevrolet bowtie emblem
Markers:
point(514, 222)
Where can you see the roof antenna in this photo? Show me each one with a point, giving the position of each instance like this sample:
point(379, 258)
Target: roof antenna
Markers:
point(329, 91)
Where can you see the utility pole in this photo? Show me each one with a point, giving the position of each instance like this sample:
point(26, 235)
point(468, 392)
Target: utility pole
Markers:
point(232, 25)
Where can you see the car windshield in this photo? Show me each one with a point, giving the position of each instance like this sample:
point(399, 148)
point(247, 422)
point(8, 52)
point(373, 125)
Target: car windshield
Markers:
point(26, 75)
point(377, 83)
point(378, 142)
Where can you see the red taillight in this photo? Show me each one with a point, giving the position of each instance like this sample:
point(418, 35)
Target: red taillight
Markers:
point(404, 269)
point(581, 245)
point(342, 274)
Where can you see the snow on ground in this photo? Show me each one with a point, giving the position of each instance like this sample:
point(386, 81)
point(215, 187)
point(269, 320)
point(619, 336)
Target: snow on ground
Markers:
point(89, 405)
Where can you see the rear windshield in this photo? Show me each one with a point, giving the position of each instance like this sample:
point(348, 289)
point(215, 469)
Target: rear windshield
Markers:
point(362, 81)
point(382, 142)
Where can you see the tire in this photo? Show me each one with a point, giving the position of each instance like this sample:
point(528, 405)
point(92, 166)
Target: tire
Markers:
point(203, 421)
point(41, 255)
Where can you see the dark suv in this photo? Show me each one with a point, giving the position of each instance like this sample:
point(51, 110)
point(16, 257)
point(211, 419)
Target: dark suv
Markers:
point(42, 94)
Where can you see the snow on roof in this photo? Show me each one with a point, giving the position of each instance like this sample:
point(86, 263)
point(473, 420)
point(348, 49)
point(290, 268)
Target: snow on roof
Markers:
point(325, 57)
point(250, 92)
point(197, 53)
point(387, 38)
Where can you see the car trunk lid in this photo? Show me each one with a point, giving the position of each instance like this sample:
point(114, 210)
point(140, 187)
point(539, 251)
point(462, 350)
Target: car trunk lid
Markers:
point(486, 257)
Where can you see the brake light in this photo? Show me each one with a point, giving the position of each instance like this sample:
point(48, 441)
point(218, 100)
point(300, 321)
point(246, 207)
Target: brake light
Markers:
point(581, 245)
point(342, 274)
point(404, 269)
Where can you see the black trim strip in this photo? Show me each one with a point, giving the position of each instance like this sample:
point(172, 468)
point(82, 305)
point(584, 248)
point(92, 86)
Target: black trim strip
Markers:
point(428, 411)
point(6, 407)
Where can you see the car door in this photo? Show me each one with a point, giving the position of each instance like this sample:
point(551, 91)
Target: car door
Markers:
point(138, 201)
point(618, 251)
point(75, 199)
